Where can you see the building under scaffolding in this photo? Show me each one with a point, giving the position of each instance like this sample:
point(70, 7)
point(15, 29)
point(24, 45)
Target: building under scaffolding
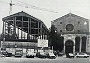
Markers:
point(23, 30)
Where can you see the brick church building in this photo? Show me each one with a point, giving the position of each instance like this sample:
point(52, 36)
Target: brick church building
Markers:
point(75, 31)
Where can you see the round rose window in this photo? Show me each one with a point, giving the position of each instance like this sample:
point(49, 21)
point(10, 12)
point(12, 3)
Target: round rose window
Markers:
point(69, 27)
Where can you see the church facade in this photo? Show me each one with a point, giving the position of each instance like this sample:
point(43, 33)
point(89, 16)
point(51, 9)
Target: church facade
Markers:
point(75, 31)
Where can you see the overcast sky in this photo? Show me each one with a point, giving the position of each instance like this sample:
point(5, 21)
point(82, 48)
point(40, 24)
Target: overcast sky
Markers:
point(62, 7)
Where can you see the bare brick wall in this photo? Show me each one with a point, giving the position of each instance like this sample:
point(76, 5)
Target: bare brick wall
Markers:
point(78, 22)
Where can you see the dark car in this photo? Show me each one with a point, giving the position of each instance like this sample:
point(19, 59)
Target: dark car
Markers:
point(8, 54)
point(18, 53)
point(60, 54)
point(41, 55)
point(70, 55)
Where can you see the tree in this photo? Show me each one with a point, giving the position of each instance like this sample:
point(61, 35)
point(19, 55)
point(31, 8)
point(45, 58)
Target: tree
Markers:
point(56, 39)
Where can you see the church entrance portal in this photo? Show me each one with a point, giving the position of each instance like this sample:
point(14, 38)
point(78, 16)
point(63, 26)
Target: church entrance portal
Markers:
point(69, 46)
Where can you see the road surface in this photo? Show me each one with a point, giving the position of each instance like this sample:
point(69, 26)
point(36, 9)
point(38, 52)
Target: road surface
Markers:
point(42, 60)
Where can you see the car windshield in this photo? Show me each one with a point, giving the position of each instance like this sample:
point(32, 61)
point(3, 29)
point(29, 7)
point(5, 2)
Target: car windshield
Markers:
point(81, 53)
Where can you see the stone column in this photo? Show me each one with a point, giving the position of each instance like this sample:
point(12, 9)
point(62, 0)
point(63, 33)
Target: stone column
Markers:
point(80, 44)
point(74, 49)
point(64, 44)
point(74, 45)
point(64, 48)
point(87, 43)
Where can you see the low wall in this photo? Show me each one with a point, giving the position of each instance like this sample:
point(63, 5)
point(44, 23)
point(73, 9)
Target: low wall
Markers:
point(8, 44)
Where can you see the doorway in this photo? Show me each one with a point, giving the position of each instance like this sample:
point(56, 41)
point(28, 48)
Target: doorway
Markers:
point(69, 46)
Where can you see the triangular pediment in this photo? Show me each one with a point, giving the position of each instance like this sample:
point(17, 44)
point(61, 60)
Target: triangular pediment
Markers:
point(70, 15)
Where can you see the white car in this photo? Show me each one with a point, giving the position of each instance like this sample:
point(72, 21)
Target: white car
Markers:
point(70, 55)
point(51, 56)
point(30, 54)
point(82, 55)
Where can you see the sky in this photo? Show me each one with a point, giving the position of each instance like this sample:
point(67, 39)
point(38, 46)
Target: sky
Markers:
point(58, 7)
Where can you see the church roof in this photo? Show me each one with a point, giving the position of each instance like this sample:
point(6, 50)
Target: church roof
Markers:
point(71, 15)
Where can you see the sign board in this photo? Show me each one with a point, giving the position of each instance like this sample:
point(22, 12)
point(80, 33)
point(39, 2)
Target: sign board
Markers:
point(42, 43)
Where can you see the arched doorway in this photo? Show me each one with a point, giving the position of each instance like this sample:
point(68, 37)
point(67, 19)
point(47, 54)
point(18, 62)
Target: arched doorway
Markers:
point(69, 46)
point(83, 49)
point(77, 44)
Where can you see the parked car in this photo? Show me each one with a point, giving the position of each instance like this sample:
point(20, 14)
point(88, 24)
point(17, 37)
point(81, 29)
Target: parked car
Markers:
point(60, 54)
point(3, 52)
point(8, 54)
point(3, 49)
point(70, 55)
point(2, 55)
point(82, 55)
point(51, 55)
point(41, 54)
point(30, 54)
point(18, 53)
